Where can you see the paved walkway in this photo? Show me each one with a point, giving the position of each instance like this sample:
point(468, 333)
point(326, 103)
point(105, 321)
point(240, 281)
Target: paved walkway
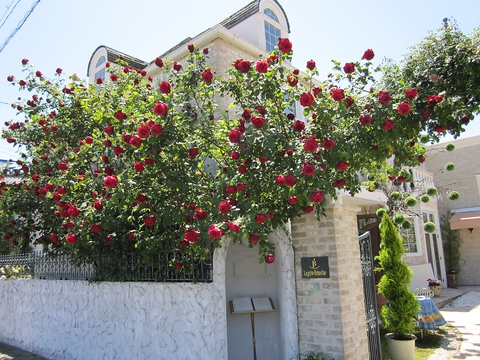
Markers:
point(466, 320)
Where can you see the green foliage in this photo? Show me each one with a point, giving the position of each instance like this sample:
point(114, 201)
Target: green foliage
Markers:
point(398, 219)
point(450, 147)
point(453, 195)
point(452, 243)
point(410, 201)
point(450, 166)
point(431, 191)
point(402, 305)
point(407, 225)
point(424, 198)
point(380, 212)
point(314, 356)
point(429, 227)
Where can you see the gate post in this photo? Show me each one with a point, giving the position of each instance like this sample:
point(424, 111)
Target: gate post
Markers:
point(331, 312)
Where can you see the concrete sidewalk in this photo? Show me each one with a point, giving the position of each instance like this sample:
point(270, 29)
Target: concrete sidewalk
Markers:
point(465, 321)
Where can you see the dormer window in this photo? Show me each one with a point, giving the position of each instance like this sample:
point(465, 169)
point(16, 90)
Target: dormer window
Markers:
point(100, 73)
point(272, 32)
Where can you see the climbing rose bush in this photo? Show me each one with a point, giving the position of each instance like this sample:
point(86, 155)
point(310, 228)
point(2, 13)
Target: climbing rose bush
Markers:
point(140, 165)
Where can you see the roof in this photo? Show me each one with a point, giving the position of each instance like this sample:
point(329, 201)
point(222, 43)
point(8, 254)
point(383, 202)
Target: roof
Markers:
point(113, 55)
point(467, 218)
point(246, 12)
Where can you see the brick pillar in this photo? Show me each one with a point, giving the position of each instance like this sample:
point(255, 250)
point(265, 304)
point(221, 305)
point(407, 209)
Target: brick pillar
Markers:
point(331, 313)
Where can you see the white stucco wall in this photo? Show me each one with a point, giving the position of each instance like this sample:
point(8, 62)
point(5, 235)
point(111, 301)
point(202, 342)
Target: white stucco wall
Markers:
point(77, 320)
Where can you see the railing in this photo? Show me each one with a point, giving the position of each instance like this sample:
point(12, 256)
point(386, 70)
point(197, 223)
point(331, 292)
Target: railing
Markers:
point(160, 268)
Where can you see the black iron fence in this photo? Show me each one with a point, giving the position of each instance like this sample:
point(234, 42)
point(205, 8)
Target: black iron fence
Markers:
point(130, 267)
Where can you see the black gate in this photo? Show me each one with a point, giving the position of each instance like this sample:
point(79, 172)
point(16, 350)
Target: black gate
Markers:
point(370, 294)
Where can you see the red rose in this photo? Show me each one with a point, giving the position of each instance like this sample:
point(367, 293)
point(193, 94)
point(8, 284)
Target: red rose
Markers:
point(95, 228)
point(290, 180)
point(337, 95)
point(193, 153)
point(411, 93)
point(253, 239)
point(149, 220)
point(38, 73)
point(269, 258)
point(10, 78)
point(440, 129)
point(135, 141)
point(110, 181)
point(421, 158)
point(118, 150)
point(317, 196)
point(24, 61)
point(308, 169)
point(308, 209)
point(298, 125)
point(99, 81)
point(310, 144)
point(177, 265)
point(97, 204)
point(384, 97)
point(262, 67)
point(200, 214)
point(388, 124)
point(234, 136)
point(62, 166)
point(284, 45)
point(292, 80)
point(258, 121)
point(139, 167)
point(280, 180)
point(365, 120)
point(261, 110)
point(143, 131)
point(261, 218)
point(342, 165)
point(159, 62)
point(214, 232)
point(72, 238)
point(339, 183)
point(241, 187)
point(160, 109)
point(113, 77)
point(349, 68)
point(120, 115)
point(89, 140)
point(207, 76)
point(242, 169)
point(404, 108)
point(233, 227)
point(108, 129)
point(293, 200)
point(368, 55)
point(306, 99)
point(224, 207)
point(328, 144)
point(54, 238)
point(191, 235)
point(165, 87)
point(191, 48)
point(311, 65)
point(62, 190)
point(22, 83)
point(243, 66)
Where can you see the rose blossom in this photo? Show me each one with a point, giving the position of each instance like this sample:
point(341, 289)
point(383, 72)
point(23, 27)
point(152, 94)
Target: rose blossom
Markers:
point(224, 207)
point(159, 62)
point(258, 121)
point(311, 65)
point(306, 99)
point(308, 209)
point(280, 180)
point(108, 129)
point(253, 239)
point(207, 76)
point(113, 77)
point(200, 214)
point(365, 120)
point(317, 196)
point(242, 169)
point(368, 55)
point(242, 187)
point(349, 68)
point(310, 144)
point(293, 200)
point(177, 66)
point(95, 228)
point(439, 129)
point(308, 169)
point(150, 220)
point(298, 125)
point(342, 165)
point(72, 238)
point(411, 93)
point(62, 166)
point(191, 235)
point(139, 167)
point(234, 136)
point(214, 232)
point(388, 124)
point(404, 108)
point(284, 45)
point(165, 87)
point(337, 95)
point(143, 131)
point(120, 115)
point(110, 181)
point(290, 180)
point(233, 227)
point(384, 97)
point(269, 258)
point(261, 218)
point(328, 144)
point(262, 67)
point(160, 109)
point(292, 80)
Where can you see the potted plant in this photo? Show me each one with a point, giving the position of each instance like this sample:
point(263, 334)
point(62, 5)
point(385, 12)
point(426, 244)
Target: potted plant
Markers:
point(435, 285)
point(452, 242)
point(402, 304)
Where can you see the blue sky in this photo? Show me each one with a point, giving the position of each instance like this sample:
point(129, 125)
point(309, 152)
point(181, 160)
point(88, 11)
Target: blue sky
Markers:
point(65, 33)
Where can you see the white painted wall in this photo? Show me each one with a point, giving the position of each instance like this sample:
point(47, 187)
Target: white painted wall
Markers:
point(77, 320)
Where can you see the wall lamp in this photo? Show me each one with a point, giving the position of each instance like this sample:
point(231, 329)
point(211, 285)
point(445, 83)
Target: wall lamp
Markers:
point(470, 229)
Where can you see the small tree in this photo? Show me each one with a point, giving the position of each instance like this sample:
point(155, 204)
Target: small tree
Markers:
point(402, 303)
point(452, 242)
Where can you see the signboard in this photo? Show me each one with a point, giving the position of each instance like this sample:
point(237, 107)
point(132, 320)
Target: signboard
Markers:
point(315, 267)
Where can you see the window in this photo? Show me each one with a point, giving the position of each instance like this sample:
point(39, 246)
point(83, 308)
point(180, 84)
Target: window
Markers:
point(432, 245)
point(100, 61)
point(271, 14)
point(100, 73)
point(409, 239)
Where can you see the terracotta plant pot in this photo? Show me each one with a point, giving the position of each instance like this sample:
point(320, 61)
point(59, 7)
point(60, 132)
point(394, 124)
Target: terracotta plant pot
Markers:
point(437, 289)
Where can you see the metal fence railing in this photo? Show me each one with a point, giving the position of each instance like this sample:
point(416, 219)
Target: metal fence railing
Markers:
point(128, 267)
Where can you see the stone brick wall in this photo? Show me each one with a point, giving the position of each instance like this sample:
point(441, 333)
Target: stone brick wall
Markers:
point(331, 313)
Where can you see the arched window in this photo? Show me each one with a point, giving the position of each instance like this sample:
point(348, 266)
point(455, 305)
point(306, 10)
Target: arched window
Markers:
point(101, 72)
point(100, 61)
point(271, 14)
point(272, 33)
